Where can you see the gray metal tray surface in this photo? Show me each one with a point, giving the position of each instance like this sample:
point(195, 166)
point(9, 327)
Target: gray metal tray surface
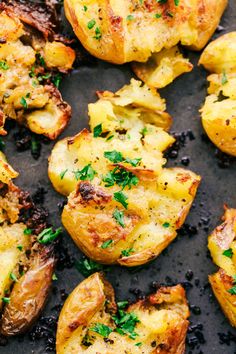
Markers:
point(186, 260)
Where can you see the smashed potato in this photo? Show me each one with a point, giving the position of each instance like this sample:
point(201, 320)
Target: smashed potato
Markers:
point(222, 245)
point(162, 68)
point(124, 207)
point(92, 322)
point(125, 31)
point(28, 80)
point(219, 110)
point(24, 280)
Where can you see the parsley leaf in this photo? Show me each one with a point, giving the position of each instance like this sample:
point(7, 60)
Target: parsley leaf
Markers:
point(4, 65)
point(91, 24)
point(126, 253)
point(13, 277)
point(87, 173)
point(121, 198)
point(176, 2)
point(28, 231)
point(121, 177)
point(224, 79)
point(122, 304)
point(232, 290)
point(98, 34)
point(118, 215)
point(156, 16)
point(106, 244)
point(101, 329)
point(54, 276)
point(6, 300)
point(113, 156)
point(87, 267)
point(130, 18)
point(228, 253)
point(126, 322)
point(166, 225)
point(97, 131)
point(48, 235)
point(57, 80)
point(20, 247)
point(62, 174)
point(23, 102)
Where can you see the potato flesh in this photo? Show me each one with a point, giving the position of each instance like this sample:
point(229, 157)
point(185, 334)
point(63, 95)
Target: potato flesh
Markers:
point(156, 323)
point(162, 68)
point(219, 110)
point(10, 237)
point(131, 32)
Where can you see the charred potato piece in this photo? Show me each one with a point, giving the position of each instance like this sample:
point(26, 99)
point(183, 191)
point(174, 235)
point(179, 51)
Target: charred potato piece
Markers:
point(90, 315)
point(29, 293)
point(162, 68)
point(24, 281)
point(219, 110)
point(222, 245)
point(125, 31)
point(26, 93)
point(124, 207)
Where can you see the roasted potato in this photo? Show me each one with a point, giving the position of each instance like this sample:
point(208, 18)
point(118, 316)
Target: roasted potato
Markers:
point(124, 207)
point(91, 321)
point(162, 68)
point(27, 73)
point(24, 281)
point(222, 245)
point(219, 110)
point(126, 31)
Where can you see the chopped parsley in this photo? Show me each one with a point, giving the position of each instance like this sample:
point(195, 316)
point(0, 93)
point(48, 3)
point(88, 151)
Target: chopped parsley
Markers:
point(41, 59)
point(57, 80)
point(98, 33)
point(113, 156)
point(110, 137)
point(224, 79)
point(62, 174)
point(138, 344)
point(166, 225)
point(91, 24)
point(118, 215)
point(176, 2)
point(130, 18)
point(228, 253)
point(23, 102)
point(87, 267)
point(127, 253)
point(6, 300)
point(54, 277)
point(4, 65)
point(106, 244)
point(156, 16)
point(85, 8)
point(126, 322)
point(122, 304)
point(28, 231)
point(20, 248)
point(162, 1)
point(121, 198)
point(87, 173)
point(121, 177)
point(13, 277)
point(144, 131)
point(101, 329)
point(97, 131)
point(48, 235)
point(232, 290)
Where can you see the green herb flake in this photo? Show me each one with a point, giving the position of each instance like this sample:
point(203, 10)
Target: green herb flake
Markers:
point(106, 244)
point(57, 80)
point(156, 16)
point(62, 174)
point(176, 2)
point(121, 177)
point(126, 322)
point(23, 102)
point(122, 304)
point(4, 65)
point(130, 18)
point(85, 8)
point(87, 267)
point(48, 235)
point(144, 131)
point(97, 131)
point(228, 253)
point(6, 300)
point(121, 198)
point(101, 329)
point(20, 247)
point(138, 344)
point(91, 24)
point(28, 231)
point(133, 162)
point(13, 277)
point(41, 59)
point(127, 253)
point(118, 215)
point(232, 290)
point(86, 174)
point(113, 156)
point(54, 277)
point(224, 79)
point(110, 137)
point(98, 33)
point(170, 14)
point(166, 224)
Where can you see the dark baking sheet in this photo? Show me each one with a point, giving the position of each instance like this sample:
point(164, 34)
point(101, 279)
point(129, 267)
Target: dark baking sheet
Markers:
point(186, 259)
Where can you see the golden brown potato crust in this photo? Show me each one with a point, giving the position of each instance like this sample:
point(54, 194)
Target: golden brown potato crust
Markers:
point(219, 110)
point(127, 31)
point(161, 327)
point(222, 245)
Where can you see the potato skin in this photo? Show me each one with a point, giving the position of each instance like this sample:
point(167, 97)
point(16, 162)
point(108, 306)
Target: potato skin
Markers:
point(123, 38)
point(88, 304)
point(223, 239)
point(29, 293)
